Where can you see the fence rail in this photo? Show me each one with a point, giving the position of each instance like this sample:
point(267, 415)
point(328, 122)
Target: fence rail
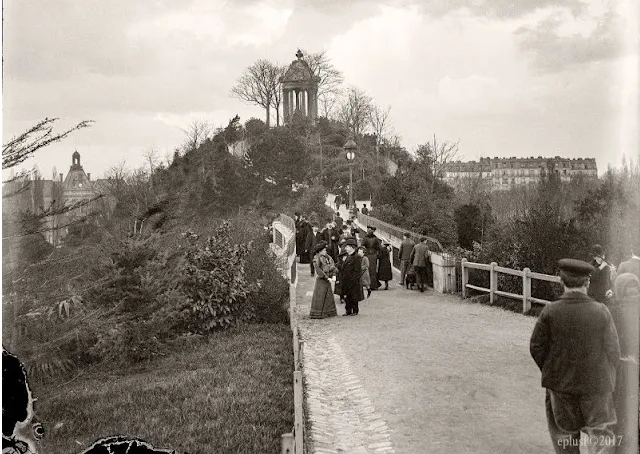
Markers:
point(284, 236)
point(526, 274)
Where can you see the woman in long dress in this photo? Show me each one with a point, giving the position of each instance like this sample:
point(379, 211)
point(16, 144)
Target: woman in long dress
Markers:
point(322, 302)
point(385, 274)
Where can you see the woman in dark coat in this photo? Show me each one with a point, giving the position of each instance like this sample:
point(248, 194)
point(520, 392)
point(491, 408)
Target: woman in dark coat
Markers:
point(322, 302)
point(385, 273)
point(372, 243)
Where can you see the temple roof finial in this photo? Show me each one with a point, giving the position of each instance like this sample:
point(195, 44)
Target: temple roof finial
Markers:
point(299, 54)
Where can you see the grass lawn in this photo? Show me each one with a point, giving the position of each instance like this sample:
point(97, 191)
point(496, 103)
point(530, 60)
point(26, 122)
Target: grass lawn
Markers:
point(229, 393)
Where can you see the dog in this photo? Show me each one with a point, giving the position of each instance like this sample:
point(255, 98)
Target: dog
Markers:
point(410, 278)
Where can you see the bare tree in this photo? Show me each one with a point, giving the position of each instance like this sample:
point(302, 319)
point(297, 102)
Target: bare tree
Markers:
point(321, 67)
point(197, 132)
point(276, 99)
point(436, 156)
point(381, 126)
point(328, 104)
point(258, 84)
point(355, 111)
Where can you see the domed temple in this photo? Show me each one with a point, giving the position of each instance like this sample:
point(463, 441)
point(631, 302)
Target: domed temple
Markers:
point(299, 90)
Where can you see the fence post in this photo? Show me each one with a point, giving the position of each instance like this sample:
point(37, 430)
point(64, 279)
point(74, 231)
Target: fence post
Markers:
point(526, 290)
point(493, 282)
point(465, 277)
point(297, 402)
point(287, 444)
point(296, 349)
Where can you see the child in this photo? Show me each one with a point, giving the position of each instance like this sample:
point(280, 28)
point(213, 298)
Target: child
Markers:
point(365, 279)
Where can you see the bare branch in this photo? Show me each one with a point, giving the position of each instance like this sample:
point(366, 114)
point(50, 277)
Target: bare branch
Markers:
point(258, 85)
point(355, 111)
point(23, 146)
point(321, 66)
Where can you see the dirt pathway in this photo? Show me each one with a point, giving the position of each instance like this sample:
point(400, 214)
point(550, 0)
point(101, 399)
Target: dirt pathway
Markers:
point(423, 373)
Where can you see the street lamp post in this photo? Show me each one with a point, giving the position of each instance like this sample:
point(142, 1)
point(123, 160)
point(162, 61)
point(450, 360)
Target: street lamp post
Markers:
point(350, 148)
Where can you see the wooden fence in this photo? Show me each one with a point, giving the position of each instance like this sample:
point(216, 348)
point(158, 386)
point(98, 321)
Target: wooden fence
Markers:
point(284, 236)
point(527, 276)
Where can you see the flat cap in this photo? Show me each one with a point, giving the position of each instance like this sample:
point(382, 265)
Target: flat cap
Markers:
point(351, 242)
point(576, 268)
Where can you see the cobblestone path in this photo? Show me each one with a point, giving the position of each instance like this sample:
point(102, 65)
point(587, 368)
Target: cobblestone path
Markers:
point(420, 373)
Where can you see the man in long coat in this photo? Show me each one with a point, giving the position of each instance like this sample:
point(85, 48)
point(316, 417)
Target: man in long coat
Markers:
point(575, 345)
point(404, 254)
point(600, 287)
point(311, 241)
point(305, 232)
point(373, 245)
point(350, 271)
point(419, 258)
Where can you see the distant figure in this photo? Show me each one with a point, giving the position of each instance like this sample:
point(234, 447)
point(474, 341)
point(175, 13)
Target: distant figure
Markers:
point(306, 230)
point(351, 288)
point(632, 265)
point(365, 210)
point(365, 279)
point(600, 287)
point(575, 345)
point(338, 201)
point(338, 220)
point(385, 273)
point(405, 255)
point(312, 240)
point(420, 260)
point(373, 245)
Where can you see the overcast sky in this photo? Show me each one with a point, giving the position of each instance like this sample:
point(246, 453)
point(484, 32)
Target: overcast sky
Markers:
point(505, 77)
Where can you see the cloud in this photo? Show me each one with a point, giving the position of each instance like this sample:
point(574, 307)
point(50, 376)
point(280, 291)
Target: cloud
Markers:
point(561, 39)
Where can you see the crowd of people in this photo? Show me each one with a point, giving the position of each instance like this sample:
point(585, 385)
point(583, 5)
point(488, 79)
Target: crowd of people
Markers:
point(587, 346)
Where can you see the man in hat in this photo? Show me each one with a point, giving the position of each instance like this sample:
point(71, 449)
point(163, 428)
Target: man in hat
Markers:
point(350, 272)
point(373, 245)
point(365, 210)
point(419, 258)
point(404, 254)
point(575, 345)
point(600, 287)
point(312, 239)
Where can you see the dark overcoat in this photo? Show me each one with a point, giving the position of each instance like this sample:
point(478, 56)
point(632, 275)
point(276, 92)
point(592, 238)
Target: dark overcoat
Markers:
point(350, 272)
point(600, 282)
point(575, 345)
point(384, 265)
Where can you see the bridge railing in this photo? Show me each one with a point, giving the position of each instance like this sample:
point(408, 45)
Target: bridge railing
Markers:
point(526, 274)
point(284, 237)
point(396, 231)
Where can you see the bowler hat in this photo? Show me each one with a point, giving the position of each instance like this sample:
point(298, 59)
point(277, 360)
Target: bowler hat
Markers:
point(320, 246)
point(351, 242)
point(597, 250)
point(575, 268)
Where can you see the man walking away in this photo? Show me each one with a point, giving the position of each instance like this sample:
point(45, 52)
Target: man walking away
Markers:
point(405, 255)
point(419, 260)
point(575, 345)
point(338, 201)
point(365, 210)
point(338, 220)
point(600, 287)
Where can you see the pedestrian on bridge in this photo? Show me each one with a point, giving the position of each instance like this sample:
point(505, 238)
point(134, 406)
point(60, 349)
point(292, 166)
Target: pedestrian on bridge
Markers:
point(633, 264)
point(350, 278)
point(373, 245)
point(385, 274)
point(365, 278)
point(600, 286)
point(339, 221)
point(310, 245)
point(404, 254)
point(419, 258)
point(322, 302)
point(575, 345)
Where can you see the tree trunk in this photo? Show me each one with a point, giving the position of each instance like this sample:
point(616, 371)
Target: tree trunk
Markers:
point(277, 116)
point(268, 116)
